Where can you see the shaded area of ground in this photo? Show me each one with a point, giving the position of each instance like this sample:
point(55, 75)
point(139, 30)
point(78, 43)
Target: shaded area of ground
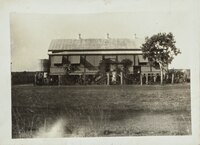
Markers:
point(102, 110)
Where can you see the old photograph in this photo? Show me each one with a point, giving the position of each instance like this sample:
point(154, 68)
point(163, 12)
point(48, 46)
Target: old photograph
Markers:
point(100, 75)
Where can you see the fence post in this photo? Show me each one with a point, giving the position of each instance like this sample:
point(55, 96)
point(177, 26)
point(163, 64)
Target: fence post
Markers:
point(108, 79)
point(121, 78)
point(154, 78)
point(147, 78)
point(35, 79)
point(172, 78)
point(141, 79)
point(59, 80)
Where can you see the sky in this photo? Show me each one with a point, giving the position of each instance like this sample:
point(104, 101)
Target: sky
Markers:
point(31, 33)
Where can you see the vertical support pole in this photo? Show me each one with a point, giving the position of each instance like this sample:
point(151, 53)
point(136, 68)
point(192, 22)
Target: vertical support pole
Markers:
point(172, 78)
point(108, 79)
point(147, 78)
point(84, 77)
point(164, 76)
point(59, 80)
point(161, 76)
point(35, 79)
point(121, 78)
point(154, 78)
point(185, 77)
point(141, 79)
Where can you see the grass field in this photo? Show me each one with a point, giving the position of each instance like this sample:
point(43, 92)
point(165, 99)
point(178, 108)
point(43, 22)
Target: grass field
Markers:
point(70, 111)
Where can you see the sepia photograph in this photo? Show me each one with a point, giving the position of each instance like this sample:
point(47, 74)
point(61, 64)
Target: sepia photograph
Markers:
point(99, 72)
point(99, 75)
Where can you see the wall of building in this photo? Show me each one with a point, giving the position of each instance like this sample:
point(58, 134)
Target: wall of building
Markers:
point(89, 63)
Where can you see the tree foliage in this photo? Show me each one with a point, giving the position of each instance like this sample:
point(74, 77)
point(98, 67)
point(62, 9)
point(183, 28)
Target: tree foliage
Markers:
point(126, 65)
point(160, 48)
point(104, 66)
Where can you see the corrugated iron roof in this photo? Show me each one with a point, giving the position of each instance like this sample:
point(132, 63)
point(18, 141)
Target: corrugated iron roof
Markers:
point(94, 44)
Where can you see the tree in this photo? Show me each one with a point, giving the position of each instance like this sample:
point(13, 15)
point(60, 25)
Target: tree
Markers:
point(104, 66)
point(161, 49)
point(127, 63)
point(67, 66)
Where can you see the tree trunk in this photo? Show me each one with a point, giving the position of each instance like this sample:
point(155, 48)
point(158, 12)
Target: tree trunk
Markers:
point(161, 76)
